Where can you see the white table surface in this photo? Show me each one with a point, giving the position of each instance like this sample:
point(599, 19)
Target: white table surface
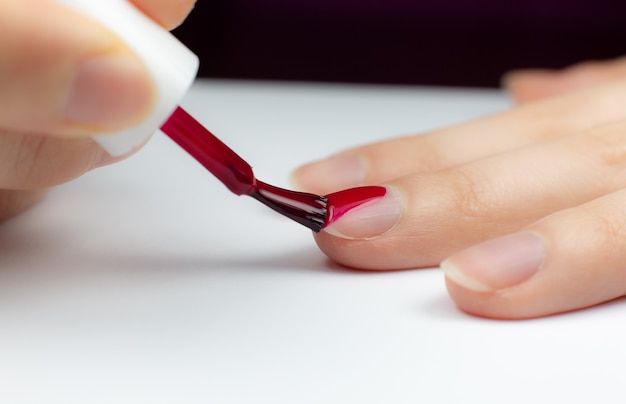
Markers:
point(148, 282)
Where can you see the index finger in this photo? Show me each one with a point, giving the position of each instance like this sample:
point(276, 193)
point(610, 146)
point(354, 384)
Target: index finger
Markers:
point(442, 149)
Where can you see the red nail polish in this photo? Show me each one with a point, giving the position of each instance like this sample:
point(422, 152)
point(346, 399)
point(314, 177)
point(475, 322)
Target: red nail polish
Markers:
point(340, 203)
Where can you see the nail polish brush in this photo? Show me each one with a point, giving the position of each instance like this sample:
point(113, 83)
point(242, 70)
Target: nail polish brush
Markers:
point(173, 69)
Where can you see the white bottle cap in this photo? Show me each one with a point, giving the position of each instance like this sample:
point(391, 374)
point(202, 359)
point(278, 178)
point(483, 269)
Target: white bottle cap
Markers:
point(172, 66)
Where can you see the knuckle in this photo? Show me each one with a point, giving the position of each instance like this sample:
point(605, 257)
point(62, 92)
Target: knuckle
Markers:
point(608, 144)
point(39, 162)
point(610, 227)
point(27, 152)
point(605, 149)
point(602, 222)
point(472, 195)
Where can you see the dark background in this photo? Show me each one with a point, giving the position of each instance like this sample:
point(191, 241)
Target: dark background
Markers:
point(432, 42)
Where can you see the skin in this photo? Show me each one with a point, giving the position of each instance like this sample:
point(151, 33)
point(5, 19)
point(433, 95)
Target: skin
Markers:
point(553, 166)
point(44, 142)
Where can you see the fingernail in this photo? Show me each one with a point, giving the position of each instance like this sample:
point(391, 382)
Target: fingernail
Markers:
point(496, 264)
point(363, 213)
point(333, 173)
point(109, 92)
point(103, 158)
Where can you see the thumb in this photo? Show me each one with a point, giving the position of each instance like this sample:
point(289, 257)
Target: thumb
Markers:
point(62, 73)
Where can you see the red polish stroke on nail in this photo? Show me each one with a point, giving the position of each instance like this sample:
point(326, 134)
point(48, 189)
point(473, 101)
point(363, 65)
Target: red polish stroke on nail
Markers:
point(342, 202)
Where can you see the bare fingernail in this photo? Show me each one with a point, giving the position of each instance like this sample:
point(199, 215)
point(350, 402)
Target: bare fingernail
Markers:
point(109, 92)
point(496, 264)
point(362, 213)
point(331, 174)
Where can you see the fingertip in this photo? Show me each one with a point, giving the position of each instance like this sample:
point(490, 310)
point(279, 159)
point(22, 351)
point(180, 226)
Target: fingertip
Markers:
point(482, 279)
point(363, 213)
point(498, 263)
point(168, 13)
point(497, 305)
point(456, 275)
point(357, 219)
point(479, 304)
point(529, 85)
point(66, 74)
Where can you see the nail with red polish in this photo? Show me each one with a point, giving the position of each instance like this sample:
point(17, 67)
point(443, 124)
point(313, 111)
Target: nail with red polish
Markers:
point(362, 213)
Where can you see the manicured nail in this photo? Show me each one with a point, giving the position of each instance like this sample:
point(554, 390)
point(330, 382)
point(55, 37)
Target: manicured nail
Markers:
point(337, 172)
point(109, 92)
point(496, 264)
point(362, 213)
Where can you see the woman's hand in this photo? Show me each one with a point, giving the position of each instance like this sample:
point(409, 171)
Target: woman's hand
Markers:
point(64, 78)
point(526, 209)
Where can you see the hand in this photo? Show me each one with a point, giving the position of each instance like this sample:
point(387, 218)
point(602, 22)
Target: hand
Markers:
point(526, 209)
point(63, 78)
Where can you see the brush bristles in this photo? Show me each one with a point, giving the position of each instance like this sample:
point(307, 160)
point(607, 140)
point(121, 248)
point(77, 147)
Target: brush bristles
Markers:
point(307, 209)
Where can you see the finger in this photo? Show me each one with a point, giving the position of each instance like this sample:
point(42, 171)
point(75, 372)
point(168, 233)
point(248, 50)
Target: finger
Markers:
point(14, 202)
point(62, 73)
point(384, 161)
point(424, 218)
point(168, 13)
point(570, 260)
point(39, 162)
point(531, 85)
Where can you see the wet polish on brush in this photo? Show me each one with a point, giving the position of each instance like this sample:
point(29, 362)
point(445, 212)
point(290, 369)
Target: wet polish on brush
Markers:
point(342, 202)
point(307, 209)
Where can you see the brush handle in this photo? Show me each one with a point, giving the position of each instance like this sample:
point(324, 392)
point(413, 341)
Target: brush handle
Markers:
point(211, 152)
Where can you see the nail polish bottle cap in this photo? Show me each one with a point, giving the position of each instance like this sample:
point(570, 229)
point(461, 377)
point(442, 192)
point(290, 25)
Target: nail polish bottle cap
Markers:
point(172, 66)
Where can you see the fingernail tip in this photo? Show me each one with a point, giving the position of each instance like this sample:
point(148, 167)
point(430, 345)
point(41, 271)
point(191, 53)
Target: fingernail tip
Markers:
point(456, 275)
point(333, 232)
